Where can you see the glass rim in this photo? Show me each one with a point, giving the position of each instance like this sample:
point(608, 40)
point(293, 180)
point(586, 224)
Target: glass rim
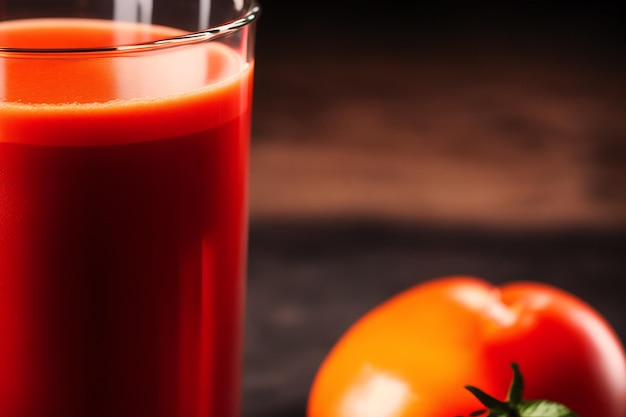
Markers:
point(209, 34)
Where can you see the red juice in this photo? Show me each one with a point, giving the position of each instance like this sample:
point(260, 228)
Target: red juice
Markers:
point(122, 225)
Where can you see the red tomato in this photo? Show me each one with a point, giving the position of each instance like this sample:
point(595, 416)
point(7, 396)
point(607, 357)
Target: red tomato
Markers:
point(413, 355)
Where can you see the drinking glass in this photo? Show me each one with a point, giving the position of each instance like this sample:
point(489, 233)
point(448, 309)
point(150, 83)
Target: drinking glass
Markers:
point(124, 130)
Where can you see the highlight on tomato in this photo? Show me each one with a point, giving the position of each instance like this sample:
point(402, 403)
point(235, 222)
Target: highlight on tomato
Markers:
point(413, 355)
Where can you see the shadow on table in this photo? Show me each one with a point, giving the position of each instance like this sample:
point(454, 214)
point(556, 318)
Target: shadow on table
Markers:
point(295, 410)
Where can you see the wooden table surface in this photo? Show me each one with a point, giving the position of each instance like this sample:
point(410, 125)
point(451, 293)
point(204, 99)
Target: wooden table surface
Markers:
point(380, 161)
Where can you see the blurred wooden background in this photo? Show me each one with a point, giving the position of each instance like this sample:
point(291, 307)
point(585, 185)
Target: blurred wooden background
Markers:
point(393, 144)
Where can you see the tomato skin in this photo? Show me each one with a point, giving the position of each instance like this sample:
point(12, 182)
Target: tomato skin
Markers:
point(412, 355)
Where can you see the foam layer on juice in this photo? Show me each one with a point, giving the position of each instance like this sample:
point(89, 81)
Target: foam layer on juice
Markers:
point(114, 98)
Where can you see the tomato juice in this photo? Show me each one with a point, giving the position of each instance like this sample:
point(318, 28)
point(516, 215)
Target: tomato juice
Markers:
point(123, 183)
